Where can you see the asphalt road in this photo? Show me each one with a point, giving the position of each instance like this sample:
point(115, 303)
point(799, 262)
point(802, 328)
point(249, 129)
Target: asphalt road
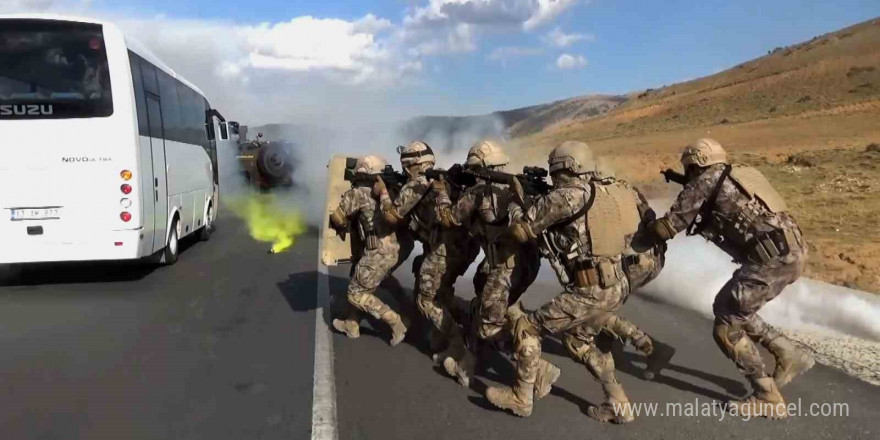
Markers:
point(221, 345)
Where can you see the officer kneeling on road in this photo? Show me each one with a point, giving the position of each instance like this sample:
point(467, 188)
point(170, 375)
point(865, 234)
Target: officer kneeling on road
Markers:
point(736, 208)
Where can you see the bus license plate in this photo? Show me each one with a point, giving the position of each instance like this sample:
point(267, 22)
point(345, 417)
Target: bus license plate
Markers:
point(35, 213)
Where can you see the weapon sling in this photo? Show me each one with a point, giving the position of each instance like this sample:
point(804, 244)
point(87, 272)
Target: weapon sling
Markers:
point(704, 217)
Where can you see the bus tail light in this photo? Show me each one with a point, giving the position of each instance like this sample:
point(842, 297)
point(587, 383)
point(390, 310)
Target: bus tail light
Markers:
point(125, 188)
point(125, 216)
point(125, 203)
point(125, 174)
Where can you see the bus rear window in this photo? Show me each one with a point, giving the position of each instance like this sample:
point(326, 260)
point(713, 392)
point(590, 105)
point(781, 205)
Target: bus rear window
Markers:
point(53, 69)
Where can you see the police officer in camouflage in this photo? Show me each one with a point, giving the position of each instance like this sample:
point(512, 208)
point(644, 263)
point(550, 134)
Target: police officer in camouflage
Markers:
point(585, 219)
point(508, 267)
point(736, 208)
point(643, 259)
point(440, 267)
point(380, 255)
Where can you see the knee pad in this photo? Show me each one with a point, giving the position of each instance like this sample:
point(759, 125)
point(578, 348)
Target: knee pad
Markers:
point(759, 330)
point(727, 335)
point(359, 299)
point(523, 329)
point(526, 339)
point(577, 348)
point(430, 309)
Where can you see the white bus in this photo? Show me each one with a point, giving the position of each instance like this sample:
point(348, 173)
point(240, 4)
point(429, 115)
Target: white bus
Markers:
point(105, 152)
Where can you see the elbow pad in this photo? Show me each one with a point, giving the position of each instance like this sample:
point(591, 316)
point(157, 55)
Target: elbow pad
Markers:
point(662, 229)
point(389, 214)
point(522, 232)
point(337, 219)
point(444, 213)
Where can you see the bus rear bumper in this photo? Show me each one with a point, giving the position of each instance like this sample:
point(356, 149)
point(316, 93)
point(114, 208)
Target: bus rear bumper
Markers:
point(87, 246)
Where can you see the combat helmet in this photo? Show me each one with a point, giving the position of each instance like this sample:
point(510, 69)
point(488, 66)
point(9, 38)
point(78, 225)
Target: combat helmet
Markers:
point(573, 156)
point(415, 153)
point(703, 152)
point(370, 165)
point(486, 153)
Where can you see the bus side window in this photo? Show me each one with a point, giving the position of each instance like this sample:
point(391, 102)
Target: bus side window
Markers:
point(172, 119)
point(139, 98)
point(209, 123)
point(224, 131)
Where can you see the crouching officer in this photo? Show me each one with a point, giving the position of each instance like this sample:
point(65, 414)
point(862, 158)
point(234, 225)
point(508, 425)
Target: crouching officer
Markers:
point(447, 252)
point(736, 208)
point(508, 268)
point(643, 258)
point(587, 219)
point(380, 255)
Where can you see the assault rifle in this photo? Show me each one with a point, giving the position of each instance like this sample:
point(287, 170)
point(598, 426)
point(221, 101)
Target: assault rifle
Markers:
point(533, 179)
point(392, 178)
point(674, 176)
point(455, 175)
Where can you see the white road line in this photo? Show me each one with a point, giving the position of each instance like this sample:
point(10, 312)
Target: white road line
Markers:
point(324, 385)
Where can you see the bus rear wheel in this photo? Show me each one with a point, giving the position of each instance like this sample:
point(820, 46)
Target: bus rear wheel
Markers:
point(205, 232)
point(172, 249)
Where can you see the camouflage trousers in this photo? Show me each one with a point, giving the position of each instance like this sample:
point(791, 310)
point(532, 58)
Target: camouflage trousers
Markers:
point(367, 274)
point(435, 290)
point(579, 315)
point(500, 285)
point(736, 308)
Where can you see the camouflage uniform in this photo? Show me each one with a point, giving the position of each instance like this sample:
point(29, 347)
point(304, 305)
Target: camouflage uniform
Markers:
point(755, 282)
point(594, 289)
point(381, 254)
point(509, 268)
point(438, 269)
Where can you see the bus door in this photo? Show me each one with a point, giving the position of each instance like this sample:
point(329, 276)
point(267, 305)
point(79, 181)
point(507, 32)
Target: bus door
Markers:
point(159, 183)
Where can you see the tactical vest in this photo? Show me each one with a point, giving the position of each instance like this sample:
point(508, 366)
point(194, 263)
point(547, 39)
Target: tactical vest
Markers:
point(491, 207)
point(592, 242)
point(613, 216)
point(746, 233)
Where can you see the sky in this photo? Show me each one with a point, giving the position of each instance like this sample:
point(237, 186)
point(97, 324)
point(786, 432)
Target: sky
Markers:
point(292, 60)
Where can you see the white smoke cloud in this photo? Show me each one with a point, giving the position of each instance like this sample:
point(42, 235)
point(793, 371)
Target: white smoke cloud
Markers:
point(570, 62)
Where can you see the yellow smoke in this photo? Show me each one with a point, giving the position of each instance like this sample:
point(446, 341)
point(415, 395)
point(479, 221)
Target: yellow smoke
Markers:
point(269, 221)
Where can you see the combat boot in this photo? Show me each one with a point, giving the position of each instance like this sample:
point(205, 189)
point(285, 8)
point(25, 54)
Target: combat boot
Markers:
point(548, 374)
point(765, 401)
point(461, 369)
point(790, 360)
point(349, 327)
point(398, 326)
point(519, 399)
point(658, 358)
point(615, 409)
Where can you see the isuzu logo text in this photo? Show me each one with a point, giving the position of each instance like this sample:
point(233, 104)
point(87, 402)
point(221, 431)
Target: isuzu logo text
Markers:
point(26, 110)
